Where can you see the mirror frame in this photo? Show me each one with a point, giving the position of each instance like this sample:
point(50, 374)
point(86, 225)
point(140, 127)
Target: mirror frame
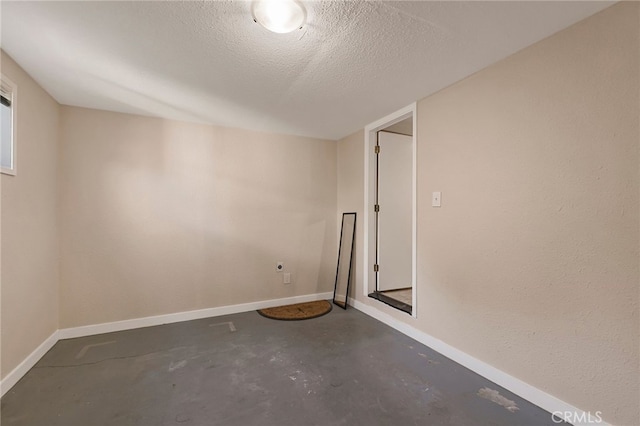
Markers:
point(352, 237)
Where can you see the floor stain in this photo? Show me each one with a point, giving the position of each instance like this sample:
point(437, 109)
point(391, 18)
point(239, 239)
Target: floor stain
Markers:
point(177, 365)
point(494, 396)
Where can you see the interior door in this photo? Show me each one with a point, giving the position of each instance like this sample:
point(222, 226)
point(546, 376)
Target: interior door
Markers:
point(395, 211)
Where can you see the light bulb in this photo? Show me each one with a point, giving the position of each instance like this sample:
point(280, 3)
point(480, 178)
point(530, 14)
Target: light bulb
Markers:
point(279, 16)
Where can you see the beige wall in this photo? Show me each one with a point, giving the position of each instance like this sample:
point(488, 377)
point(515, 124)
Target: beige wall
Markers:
point(531, 263)
point(351, 196)
point(29, 239)
point(162, 216)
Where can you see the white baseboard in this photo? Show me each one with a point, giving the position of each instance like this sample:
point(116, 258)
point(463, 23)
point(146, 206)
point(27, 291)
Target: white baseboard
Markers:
point(88, 330)
point(110, 327)
point(532, 394)
point(17, 373)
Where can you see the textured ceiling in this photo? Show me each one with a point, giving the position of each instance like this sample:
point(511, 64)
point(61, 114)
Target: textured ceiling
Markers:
point(352, 63)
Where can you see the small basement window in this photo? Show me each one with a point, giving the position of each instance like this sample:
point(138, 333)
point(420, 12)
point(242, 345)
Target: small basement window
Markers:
point(8, 91)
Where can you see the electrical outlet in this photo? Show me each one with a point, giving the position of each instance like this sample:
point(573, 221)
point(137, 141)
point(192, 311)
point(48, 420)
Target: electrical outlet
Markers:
point(279, 266)
point(286, 278)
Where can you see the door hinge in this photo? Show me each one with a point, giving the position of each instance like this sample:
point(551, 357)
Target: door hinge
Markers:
point(376, 208)
point(377, 149)
point(376, 267)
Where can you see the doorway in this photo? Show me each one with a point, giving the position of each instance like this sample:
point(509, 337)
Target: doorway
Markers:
point(390, 203)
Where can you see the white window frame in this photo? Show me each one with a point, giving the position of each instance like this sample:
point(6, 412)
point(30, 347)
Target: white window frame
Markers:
point(9, 88)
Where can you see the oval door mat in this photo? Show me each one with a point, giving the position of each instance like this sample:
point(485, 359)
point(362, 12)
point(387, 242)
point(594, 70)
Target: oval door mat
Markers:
point(297, 311)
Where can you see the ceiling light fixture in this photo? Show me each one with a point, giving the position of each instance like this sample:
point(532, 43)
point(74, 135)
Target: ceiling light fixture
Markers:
point(279, 16)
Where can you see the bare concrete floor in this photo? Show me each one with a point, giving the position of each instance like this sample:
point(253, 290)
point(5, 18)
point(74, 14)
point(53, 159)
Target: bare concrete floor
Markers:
point(344, 368)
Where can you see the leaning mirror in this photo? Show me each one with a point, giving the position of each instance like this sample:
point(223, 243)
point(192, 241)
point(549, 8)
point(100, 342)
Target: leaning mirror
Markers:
point(345, 259)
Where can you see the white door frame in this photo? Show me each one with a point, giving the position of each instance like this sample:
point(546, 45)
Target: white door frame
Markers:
point(368, 277)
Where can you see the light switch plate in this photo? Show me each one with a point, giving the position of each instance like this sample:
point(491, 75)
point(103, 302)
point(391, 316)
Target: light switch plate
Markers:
point(436, 199)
